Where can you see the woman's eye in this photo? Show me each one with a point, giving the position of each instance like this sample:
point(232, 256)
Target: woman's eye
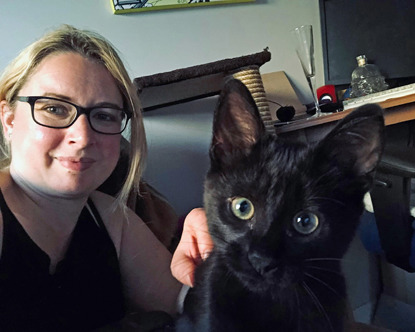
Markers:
point(242, 208)
point(56, 110)
point(107, 115)
point(45, 108)
point(305, 222)
point(104, 117)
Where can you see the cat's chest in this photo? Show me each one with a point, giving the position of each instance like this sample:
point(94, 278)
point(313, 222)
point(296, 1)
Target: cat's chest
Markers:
point(228, 305)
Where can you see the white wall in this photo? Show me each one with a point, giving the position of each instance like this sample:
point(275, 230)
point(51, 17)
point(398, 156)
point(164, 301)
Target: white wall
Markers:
point(152, 42)
point(178, 140)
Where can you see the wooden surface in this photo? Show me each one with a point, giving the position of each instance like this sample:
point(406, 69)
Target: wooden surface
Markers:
point(396, 110)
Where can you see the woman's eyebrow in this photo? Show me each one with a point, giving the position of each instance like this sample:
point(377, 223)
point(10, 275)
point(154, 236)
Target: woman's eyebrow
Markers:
point(57, 95)
point(107, 105)
point(69, 99)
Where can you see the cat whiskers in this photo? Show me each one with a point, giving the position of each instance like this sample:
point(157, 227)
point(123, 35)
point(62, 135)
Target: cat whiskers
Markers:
point(317, 303)
point(298, 308)
point(323, 259)
point(332, 259)
point(323, 283)
point(323, 269)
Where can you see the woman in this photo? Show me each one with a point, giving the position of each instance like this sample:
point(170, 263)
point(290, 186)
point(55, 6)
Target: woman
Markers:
point(73, 258)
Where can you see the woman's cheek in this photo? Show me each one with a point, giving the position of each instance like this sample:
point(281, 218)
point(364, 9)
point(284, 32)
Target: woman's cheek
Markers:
point(39, 135)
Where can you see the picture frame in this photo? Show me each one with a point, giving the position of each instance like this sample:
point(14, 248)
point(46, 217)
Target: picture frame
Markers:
point(132, 6)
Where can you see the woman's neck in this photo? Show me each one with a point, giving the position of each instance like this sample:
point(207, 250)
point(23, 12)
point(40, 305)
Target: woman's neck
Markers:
point(59, 212)
point(48, 219)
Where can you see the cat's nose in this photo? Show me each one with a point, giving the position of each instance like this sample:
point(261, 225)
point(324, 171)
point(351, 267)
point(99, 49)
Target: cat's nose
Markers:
point(261, 262)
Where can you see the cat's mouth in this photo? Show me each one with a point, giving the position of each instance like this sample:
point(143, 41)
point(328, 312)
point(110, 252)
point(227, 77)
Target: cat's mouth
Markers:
point(268, 281)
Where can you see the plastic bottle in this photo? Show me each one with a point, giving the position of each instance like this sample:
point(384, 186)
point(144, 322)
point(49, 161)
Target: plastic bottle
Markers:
point(366, 79)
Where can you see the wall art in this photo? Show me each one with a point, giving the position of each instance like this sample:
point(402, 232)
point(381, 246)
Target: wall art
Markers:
point(124, 7)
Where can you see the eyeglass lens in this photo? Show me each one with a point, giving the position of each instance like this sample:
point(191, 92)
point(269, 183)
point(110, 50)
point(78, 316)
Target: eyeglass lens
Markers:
point(60, 114)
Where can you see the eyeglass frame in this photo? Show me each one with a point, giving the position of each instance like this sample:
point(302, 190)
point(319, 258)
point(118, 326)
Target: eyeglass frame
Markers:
point(31, 100)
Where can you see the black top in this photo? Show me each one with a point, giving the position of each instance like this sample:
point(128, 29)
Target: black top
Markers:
point(83, 293)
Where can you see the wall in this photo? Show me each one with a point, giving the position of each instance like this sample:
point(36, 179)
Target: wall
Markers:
point(160, 41)
point(178, 143)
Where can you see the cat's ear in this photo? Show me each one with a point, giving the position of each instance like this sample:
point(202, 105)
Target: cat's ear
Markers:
point(237, 124)
point(357, 141)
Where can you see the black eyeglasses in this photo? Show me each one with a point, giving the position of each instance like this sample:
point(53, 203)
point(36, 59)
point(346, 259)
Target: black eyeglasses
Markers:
point(56, 113)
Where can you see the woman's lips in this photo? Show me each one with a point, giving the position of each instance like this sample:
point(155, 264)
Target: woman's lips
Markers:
point(76, 164)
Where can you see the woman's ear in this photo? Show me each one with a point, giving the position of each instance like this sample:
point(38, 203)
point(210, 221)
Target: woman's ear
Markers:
point(7, 118)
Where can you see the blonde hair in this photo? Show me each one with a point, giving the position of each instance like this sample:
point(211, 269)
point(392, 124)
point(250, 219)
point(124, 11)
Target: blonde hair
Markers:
point(92, 46)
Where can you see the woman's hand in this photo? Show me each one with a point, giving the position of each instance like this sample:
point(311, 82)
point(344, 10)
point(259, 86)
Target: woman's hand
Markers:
point(194, 247)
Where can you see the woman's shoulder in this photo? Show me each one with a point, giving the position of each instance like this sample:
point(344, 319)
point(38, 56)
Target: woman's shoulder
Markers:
point(109, 208)
point(4, 182)
point(5, 178)
point(114, 217)
point(101, 199)
point(111, 216)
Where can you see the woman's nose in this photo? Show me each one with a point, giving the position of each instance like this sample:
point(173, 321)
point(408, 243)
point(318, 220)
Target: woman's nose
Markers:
point(80, 132)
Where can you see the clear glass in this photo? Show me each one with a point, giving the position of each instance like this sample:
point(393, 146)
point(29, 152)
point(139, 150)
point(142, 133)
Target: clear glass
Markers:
point(57, 113)
point(304, 46)
point(366, 79)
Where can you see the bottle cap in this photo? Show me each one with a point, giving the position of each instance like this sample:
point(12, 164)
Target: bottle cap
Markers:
point(361, 60)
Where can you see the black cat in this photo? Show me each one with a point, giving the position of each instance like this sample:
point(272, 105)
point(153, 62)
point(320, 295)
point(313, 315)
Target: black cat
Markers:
point(281, 215)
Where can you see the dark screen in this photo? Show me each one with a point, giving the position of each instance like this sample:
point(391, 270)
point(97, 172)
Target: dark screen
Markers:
point(383, 30)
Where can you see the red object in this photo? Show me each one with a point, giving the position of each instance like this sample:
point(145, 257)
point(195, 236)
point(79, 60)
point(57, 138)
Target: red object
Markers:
point(326, 94)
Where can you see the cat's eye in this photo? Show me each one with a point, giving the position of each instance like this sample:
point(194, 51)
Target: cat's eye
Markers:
point(305, 222)
point(242, 208)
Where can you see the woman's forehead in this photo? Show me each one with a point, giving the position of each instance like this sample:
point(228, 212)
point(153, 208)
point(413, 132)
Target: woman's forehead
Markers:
point(73, 75)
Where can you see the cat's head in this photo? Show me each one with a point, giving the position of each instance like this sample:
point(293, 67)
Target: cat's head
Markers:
point(274, 205)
